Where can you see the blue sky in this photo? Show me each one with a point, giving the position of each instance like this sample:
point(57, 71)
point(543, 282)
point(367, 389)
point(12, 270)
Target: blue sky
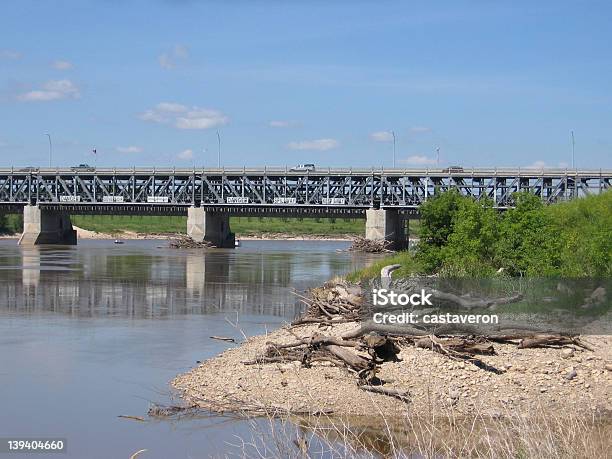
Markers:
point(286, 82)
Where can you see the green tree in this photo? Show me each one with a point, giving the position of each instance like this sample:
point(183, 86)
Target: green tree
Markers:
point(470, 248)
point(437, 217)
point(528, 244)
point(584, 229)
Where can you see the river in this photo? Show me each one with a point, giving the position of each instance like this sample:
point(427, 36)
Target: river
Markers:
point(94, 331)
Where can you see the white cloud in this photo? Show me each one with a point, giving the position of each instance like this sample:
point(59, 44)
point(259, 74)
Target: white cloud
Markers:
point(62, 65)
point(201, 118)
point(168, 60)
point(185, 154)
point(165, 62)
point(183, 117)
point(318, 144)
point(282, 124)
point(419, 129)
point(382, 136)
point(52, 90)
point(153, 115)
point(9, 54)
point(130, 149)
point(537, 165)
point(171, 107)
point(418, 160)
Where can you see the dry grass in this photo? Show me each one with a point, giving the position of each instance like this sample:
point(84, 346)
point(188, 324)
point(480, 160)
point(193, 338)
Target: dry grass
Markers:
point(539, 434)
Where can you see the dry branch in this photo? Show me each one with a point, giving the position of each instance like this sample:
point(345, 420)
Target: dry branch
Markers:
point(185, 242)
point(402, 395)
point(552, 340)
point(469, 303)
point(361, 244)
point(456, 345)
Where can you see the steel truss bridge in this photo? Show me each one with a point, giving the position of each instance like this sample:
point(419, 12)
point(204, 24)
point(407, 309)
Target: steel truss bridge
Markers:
point(269, 191)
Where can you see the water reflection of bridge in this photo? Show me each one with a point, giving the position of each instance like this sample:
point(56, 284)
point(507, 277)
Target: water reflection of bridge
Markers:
point(144, 286)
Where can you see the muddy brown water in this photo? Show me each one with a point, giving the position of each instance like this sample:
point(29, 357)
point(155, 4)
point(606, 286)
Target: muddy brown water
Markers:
point(91, 332)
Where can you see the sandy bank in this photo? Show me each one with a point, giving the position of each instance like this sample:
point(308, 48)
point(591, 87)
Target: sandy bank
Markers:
point(129, 235)
point(87, 234)
point(532, 379)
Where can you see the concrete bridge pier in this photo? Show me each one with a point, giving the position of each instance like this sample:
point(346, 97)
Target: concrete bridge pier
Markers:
point(210, 227)
point(387, 225)
point(46, 227)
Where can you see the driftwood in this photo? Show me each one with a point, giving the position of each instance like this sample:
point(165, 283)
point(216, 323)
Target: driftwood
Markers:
point(470, 303)
point(352, 360)
point(134, 418)
point(552, 340)
point(223, 338)
point(457, 346)
point(333, 303)
point(361, 244)
point(339, 352)
point(160, 411)
point(401, 395)
point(185, 242)
point(322, 321)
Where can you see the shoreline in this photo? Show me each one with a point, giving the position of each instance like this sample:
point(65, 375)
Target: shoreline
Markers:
point(132, 235)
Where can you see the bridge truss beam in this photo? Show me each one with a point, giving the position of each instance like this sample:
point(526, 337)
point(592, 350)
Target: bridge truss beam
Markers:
point(242, 191)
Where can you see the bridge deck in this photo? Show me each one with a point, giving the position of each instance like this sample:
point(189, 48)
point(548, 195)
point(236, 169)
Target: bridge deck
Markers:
point(275, 191)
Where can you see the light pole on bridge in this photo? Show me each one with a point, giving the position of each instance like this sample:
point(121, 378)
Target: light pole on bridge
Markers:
point(219, 150)
point(393, 134)
point(50, 149)
point(573, 147)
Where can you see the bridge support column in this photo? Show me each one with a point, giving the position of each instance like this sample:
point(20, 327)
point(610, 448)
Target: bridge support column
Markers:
point(387, 225)
point(210, 227)
point(46, 227)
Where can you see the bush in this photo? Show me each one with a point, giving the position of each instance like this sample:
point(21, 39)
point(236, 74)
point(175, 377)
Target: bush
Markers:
point(464, 237)
point(436, 226)
point(470, 248)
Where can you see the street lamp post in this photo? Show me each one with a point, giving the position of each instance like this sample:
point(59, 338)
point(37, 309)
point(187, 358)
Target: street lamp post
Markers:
point(50, 149)
point(573, 147)
point(393, 134)
point(219, 150)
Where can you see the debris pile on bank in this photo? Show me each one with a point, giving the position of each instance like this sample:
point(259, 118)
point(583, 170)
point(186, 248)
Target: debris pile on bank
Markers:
point(336, 302)
point(361, 244)
point(185, 242)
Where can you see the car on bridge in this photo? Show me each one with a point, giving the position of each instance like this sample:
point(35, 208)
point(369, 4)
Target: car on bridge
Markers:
point(453, 169)
point(83, 168)
point(303, 168)
point(29, 169)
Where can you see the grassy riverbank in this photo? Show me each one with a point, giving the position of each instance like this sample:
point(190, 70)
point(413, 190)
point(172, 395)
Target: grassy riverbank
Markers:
point(242, 226)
